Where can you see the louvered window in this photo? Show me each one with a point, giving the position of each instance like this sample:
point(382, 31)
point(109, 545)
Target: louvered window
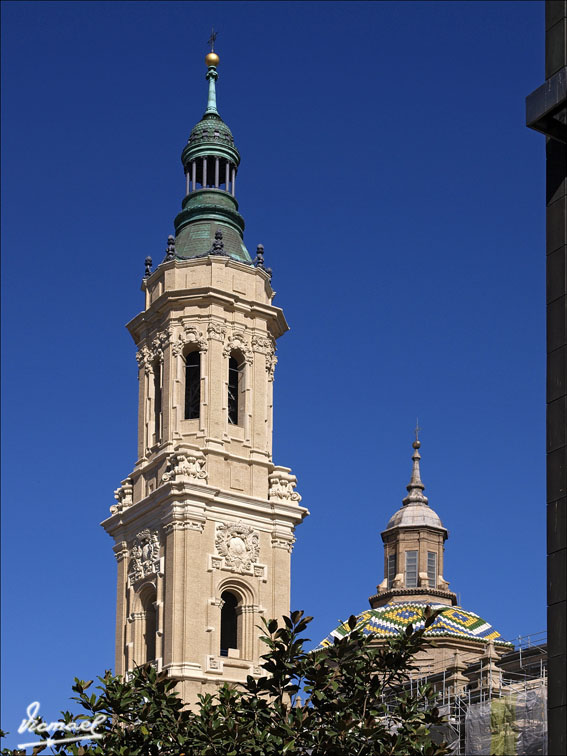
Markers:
point(391, 569)
point(432, 568)
point(411, 569)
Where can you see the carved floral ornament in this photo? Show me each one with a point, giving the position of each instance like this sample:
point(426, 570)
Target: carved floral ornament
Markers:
point(190, 335)
point(144, 556)
point(216, 331)
point(237, 343)
point(147, 355)
point(266, 345)
point(238, 544)
point(186, 464)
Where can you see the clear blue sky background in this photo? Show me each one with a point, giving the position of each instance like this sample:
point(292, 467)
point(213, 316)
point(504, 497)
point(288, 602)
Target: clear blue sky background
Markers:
point(388, 172)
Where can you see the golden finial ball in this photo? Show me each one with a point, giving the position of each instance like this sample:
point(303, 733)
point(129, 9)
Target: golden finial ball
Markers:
point(212, 59)
point(416, 444)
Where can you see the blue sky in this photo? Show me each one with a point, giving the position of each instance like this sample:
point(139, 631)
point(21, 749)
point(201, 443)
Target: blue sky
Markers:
point(387, 170)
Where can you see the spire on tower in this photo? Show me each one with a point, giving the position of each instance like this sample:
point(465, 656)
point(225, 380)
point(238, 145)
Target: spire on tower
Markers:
point(212, 60)
point(415, 487)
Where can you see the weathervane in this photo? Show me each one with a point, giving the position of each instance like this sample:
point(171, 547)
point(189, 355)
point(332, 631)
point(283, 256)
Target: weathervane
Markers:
point(212, 38)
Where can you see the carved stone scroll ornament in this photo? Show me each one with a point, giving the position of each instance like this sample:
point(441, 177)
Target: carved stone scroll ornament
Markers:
point(281, 484)
point(191, 335)
point(263, 344)
point(188, 464)
point(124, 497)
point(216, 331)
point(237, 343)
point(266, 345)
point(147, 355)
point(144, 556)
point(144, 359)
point(271, 362)
point(159, 343)
point(238, 544)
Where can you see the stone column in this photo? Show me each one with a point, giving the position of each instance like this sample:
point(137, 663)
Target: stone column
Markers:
point(258, 396)
point(166, 394)
point(195, 639)
point(174, 608)
point(141, 411)
point(121, 553)
point(216, 383)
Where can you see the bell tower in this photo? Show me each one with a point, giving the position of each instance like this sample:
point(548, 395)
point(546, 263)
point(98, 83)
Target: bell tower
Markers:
point(204, 524)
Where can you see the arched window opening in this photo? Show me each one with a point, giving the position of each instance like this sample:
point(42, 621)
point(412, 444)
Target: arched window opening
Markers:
point(229, 623)
point(235, 389)
point(157, 401)
point(192, 385)
point(150, 626)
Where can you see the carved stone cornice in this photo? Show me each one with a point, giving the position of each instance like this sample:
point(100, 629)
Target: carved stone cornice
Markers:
point(283, 543)
point(384, 596)
point(197, 525)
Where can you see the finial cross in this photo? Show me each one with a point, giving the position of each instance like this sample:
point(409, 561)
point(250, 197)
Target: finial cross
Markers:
point(212, 38)
point(417, 429)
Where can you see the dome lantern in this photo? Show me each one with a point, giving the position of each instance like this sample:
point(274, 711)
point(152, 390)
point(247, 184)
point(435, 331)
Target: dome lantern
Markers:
point(210, 162)
point(414, 549)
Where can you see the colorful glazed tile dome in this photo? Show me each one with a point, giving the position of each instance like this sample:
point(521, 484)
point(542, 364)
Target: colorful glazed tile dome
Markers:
point(392, 619)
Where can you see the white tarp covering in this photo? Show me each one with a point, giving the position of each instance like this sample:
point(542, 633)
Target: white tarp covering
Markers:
point(513, 725)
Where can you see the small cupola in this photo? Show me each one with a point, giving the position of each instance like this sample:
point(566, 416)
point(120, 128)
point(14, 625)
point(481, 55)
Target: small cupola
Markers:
point(414, 548)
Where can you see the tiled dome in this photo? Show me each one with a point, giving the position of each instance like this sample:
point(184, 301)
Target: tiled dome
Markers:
point(392, 619)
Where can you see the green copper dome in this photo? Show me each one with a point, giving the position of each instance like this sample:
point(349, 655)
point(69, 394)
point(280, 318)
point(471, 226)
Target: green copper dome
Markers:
point(212, 130)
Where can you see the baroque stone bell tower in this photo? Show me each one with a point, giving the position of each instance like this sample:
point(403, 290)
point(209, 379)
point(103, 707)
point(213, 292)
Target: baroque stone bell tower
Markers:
point(204, 524)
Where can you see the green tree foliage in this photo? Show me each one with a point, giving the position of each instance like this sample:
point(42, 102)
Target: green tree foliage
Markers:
point(353, 703)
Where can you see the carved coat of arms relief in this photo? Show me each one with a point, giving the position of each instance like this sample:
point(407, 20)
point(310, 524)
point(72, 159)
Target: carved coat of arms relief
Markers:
point(239, 546)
